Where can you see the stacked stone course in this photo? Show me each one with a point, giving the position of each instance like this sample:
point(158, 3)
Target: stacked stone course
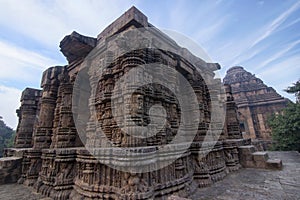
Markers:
point(57, 164)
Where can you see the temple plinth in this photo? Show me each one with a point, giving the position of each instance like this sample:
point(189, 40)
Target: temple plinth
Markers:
point(131, 116)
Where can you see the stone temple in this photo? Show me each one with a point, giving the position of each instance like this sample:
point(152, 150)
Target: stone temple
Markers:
point(255, 101)
point(73, 133)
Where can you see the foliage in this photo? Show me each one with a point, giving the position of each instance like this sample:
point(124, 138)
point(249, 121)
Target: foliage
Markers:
point(286, 126)
point(295, 89)
point(7, 135)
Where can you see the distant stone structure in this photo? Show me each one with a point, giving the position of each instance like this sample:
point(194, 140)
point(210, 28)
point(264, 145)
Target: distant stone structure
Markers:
point(255, 101)
point(55, 160)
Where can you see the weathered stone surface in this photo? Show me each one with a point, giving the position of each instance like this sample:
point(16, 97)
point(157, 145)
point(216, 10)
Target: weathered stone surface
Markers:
point(177, 198)
point(249, 149)
point(44, 131)
point(260, 156)
point(28, 116)
point(76, 47)
point(255, 101)
point(259, 184)
point(274, 164)
point(59, 166)
point(10, 169)
point(131, 17)
point(56, 178)
point(247, 184)
point(232, 124)
point(249, 157)
point(20, 192)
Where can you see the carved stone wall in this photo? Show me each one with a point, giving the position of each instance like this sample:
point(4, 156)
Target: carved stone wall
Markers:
point(64, 131)
point(50, 83)
point(28, 116)
point(59, 166)
point(56, 178)
point(44, 126)
point(255, 102)
point(232, 125)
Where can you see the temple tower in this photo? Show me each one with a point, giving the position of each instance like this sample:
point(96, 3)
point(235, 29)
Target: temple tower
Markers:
point(255, 101)
point(112, 124)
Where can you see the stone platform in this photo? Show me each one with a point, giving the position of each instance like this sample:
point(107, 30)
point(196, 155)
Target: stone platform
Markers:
point(246, 183)
point(259, 184)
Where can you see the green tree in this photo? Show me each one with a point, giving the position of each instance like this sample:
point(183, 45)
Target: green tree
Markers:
point(286, 126)
point(295, 89)
point(6, 136)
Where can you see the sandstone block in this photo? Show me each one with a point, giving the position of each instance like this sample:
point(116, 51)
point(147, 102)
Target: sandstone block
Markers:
point(260, 156)
point(274, 164)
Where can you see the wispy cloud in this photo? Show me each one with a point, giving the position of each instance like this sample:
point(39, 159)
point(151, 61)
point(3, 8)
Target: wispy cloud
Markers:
point(285, 68)
point(33, 20)
point(249, 55)
point(25, 56)
point(269, 29)
point(47, 22)
point(288, 25)
point(260, 3)
point(208, 33)
point(17, 63)
point(282, 74)
point(278, 55)
point(249, 43)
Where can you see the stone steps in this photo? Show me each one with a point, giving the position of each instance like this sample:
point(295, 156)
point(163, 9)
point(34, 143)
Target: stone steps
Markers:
point(249, 157)
point(274, 164)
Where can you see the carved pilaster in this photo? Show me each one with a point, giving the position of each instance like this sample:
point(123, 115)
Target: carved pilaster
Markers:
point(64, 130)
point(44, 130)
point(50, 84)
point(57, 173)
point(28, 115)
point(232, 124)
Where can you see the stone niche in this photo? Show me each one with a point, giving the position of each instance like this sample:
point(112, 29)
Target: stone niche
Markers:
point(57, 161)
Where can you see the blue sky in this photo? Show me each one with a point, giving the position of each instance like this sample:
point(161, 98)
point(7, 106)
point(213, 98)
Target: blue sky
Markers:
point(262, 36)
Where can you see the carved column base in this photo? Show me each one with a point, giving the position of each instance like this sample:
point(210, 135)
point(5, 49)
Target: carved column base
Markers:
point(231, 154)
point(209, 162)
point(96, 180)
point(34, 157)
point(57, 173)
point(217, 166)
